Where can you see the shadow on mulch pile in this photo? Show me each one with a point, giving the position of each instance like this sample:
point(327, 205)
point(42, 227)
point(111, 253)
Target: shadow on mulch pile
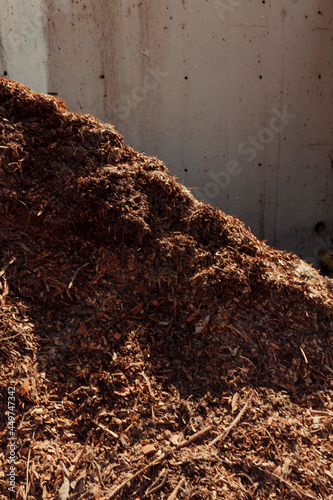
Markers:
point(137, 323)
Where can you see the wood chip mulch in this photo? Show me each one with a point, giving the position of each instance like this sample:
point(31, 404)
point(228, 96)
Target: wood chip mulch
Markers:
point(151, 347)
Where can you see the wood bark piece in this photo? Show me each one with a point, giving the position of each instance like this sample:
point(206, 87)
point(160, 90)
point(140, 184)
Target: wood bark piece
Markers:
point(175, 492)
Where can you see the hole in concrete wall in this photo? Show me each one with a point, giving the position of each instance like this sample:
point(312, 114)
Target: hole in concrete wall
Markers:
point(186, 77)
point(320, 227)
point(260, 77)
point(102, 77)
point(5, 73)
point(185, 169)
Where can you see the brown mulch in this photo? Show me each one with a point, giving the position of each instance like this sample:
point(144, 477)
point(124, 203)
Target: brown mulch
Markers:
point(157, 348)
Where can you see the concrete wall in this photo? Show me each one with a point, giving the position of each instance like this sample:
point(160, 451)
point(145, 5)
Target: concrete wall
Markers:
point(234, 95)
point(23, 47)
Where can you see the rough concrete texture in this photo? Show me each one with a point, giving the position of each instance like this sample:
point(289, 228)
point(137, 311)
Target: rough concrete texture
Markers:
point(202, 85)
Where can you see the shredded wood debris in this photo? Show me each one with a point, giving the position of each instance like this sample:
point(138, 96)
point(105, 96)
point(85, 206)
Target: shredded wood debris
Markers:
point(157, 349)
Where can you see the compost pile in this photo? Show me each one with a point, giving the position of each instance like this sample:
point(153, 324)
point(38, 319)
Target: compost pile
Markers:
point(157, 348)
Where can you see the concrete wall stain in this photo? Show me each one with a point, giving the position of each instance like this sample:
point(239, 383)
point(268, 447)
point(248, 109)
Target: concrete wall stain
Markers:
point(190, 82)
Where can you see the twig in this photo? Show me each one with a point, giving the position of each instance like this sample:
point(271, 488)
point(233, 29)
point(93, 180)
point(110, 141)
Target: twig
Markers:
point(80, 455)
point(84, 387)
point(12, 337)
point(64, 470)
point(28, 463)
point(167, 453)
point(158, 483)
point(194, 436)
point(322, 413)
point(99, 473)
point(51, 432)
point(276, 448)
point(138, 473)
point(223, 435)
point(288, 484)
point(173, 495)
point(104, 428)
point(84, 494)
point(304, 355)
point(74, 276)
point(26, 248)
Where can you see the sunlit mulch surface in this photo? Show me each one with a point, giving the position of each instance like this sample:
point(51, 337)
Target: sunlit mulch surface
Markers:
point(157, 348)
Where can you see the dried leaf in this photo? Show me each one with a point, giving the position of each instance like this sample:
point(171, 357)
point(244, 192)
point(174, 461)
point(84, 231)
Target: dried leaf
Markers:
point(64, 490)
point(24, 388)
point(234, 402)
point(176, 438)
